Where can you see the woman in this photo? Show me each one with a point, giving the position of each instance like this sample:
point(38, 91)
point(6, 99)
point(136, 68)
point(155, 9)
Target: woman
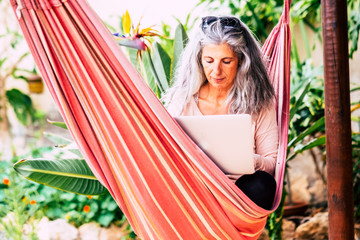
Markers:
point(222, 72)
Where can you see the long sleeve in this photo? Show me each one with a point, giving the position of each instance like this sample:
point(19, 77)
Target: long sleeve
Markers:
point(266, 141)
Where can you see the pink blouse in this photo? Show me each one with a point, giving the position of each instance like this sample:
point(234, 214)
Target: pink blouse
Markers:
point(265, 133)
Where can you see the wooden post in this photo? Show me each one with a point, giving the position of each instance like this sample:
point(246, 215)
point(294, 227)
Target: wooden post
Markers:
point(337, 120)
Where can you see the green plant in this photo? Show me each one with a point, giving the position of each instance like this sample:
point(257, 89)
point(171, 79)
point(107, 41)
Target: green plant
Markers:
point(77, 209)
point(354, 25)
point(53, 203)
point(74, 175)
point(17, 208)
point(71, 175)
point(356, 174)
point(158, 66)
point(355, 105)
point(306, 128)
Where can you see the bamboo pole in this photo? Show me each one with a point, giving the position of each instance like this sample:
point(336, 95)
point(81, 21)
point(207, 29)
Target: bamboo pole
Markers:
point(337, 119)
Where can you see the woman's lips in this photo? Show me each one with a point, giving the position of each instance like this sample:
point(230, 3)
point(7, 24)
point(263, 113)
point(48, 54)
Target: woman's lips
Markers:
point(218, 79)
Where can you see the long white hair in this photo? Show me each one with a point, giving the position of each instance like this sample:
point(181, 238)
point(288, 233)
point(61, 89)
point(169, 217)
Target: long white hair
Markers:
point(251, 91)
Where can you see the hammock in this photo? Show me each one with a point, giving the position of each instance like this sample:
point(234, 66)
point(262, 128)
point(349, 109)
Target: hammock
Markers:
point(163, 183)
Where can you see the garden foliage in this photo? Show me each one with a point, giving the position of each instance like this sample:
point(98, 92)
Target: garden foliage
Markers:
point(30, 201)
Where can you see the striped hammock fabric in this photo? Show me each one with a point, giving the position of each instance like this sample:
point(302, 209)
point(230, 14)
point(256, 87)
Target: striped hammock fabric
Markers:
point(165, 185)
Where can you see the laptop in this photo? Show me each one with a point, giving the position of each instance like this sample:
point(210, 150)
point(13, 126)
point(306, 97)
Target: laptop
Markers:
point(227, 139)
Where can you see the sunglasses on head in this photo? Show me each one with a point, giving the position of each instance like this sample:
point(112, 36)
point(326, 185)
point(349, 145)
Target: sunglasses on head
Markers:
point(226, 22)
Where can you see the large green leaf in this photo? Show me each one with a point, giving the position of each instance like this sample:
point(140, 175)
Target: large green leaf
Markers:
point(21, 104)
point(353, 25)
point(162, 64)
point(299, 101)
point(154, 73)
point(145, 67)
point(150, 78)
point(303, 147)
point(317, 126)
point(180, 42)
point(71, 175)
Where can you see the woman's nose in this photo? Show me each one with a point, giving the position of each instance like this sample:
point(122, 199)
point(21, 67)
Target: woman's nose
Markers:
point(217, 68)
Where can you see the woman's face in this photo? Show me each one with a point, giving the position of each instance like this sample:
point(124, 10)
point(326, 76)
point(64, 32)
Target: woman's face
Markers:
point(220, 65)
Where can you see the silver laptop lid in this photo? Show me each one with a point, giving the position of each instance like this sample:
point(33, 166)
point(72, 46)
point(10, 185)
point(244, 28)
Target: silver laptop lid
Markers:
point(227, 139)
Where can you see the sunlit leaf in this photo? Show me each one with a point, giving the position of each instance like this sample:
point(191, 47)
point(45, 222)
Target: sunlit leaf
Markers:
point(299, 101)
point(317, 126)
point(146, 69)
point(58, 124)
point(303, 147)
point(2, 61)
point(58, 140)
point(162, 64)
point(311, 144)
point(180, 42)
point(71, 175)
point(154, 73)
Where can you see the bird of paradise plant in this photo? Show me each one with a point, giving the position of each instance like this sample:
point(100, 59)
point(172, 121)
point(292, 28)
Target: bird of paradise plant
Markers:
point(135, 37)
point(156, 65)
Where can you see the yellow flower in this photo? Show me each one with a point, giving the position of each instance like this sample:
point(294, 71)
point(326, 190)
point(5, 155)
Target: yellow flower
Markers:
point(126, 23)
point(89, 197)
point(135, 37)
point(25, 200)
point(67, 217)
point(6, 181)
point(86, 208)
point(32, 202)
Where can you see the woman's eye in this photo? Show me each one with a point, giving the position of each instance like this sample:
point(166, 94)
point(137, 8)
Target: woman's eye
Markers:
point(227, 62)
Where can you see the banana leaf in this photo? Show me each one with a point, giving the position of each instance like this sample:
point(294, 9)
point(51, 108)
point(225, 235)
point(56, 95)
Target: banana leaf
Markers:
point(180, 42)
point(161, 63)
point(149, 76)
point(70, 175)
